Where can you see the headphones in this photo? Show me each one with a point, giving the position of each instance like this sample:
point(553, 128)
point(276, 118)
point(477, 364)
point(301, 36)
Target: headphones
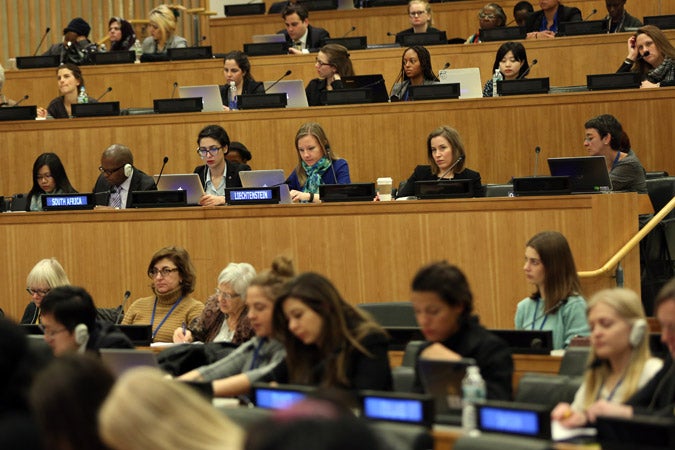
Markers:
point(128, 170)
point(637, 332)
point(81, 333)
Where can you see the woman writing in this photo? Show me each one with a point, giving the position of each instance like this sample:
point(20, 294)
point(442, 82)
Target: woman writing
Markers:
point(237, 69)
point(620, 362)
point(332, 63)
point(329, 343)
point(162, 29)
point(447, 159)
point(491, 16)
point(415, 71)
point(651, 55)
point(419, 13)
point(556, 304)
point(49, 177)
point(42, 278)
point(224, 316)
point(511, 60)
point(173, 280)
point(317, 164)
point(71, 86)
point(121, 34)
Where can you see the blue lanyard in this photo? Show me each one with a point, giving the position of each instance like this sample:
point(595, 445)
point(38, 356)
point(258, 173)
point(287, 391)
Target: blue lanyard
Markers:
point(534, 317)
point(256, 353)
point(152, 319)
point(616, 160)
point(611, 394)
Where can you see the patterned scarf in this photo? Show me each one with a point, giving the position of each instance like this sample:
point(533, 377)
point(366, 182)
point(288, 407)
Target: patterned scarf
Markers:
point(314, 174)
point(665, 72)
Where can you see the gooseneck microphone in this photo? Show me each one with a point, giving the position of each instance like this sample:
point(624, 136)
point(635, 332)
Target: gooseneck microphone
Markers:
point(461, 158)
point(389, 33)
point(173, 92)
point(592, 12)
point(332, 167)
point(353, 28)
point(526, 73)
point(42, 40)
point(105, 93)
point(127, 294)
point(164, 161)
point(288, 72)
point(25, 97)
point(447, 65)
point(537, 150)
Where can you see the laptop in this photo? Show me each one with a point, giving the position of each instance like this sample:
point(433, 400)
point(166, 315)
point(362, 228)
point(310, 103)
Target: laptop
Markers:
point(468, 79)
point(373, 82)
point(268, 38)
point(121, 360)
point(188, 182)
point(294, 90)
point(588, 174)
point(210, 95)
point(266, 178)
point(443, 380)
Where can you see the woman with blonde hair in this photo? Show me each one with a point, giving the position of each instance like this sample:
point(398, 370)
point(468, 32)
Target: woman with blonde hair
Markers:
point(317, 164)
point(620, 362)
point(162, 29)
point(419, 13)
point(145, 410)
point(44, 276)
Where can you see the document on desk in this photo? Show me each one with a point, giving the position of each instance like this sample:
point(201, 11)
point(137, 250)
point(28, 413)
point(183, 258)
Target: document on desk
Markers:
point(561, 433)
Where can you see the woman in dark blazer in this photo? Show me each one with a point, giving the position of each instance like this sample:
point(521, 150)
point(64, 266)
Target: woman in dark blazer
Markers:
point(447, 159)
point(332, 63)
point(545, 22)
point(237, 68)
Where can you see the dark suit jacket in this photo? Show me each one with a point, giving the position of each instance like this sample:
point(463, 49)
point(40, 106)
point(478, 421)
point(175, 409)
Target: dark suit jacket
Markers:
point(29, 314)
point(423, 173)
point(140, 181)
point(232, 173)
point(565, 14)
point(315, 37)
point(316, 91)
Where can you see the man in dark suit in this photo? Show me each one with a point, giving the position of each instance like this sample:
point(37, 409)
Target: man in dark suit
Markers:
point(119, 177)
point(300, 35)
point(544, 24)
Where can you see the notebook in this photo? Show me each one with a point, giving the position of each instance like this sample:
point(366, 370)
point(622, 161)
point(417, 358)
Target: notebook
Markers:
point(266, 178)
point(468, 79)
point(268, 38)
point(189, 182)
point(210, 95)
point(443, 380)
point(294, 90)
point(588, 174)
point(121, 360)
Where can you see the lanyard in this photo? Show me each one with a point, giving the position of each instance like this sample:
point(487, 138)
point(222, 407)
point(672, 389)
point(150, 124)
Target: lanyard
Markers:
point(152, 319)
point(616, 160)
point(534, 317)
point(256, 353)
point(613, 391)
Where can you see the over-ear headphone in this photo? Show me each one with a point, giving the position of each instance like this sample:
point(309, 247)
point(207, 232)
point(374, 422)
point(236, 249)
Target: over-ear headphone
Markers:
point(637, 332)
point(81, 333)
point(128, 170)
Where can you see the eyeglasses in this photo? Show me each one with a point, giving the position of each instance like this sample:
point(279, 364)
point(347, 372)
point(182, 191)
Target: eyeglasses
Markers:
point(114, 28)
point(321, 63)
point(416, 13)
point(44, 177)
point(164, 271)
point(486, 16)
point(38, 292)
point(211, 151)
point(49, 333)
point(226, 295)
point(109, 171)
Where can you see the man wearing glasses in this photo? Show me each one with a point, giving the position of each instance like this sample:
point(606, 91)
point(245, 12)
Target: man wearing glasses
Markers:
point(119, 177)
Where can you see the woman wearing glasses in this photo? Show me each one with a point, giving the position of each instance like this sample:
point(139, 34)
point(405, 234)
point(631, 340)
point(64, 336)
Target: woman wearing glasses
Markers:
point(491, 16)
point(43, 277)
point(224, 317)
point(419, 12)
point(217, 173)
point(173, 280)
point(49, 177)
point(332, 63)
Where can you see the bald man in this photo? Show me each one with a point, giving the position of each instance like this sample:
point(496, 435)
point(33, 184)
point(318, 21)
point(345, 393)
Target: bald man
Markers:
point(119, 177)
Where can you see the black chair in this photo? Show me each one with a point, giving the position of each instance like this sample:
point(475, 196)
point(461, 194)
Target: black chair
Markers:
point(391, 314)
point(547, 390)
point(403, 436)
point(575, 361)
point(656, 174)
point(491, 441)
point(403, 376)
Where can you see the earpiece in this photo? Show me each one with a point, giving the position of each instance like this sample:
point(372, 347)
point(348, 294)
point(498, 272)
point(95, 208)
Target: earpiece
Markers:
point(81, 334)
point(128, 170)
point(637, 332)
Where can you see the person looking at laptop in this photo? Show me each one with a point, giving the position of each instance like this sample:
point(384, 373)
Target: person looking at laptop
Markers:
point(218, 173)
point(317, 164)
point(443, 306)
point(603, 137)
point(511, 60)
point(620, 362)
point(332, 63)
point(119, 177)
point(69, 322)
point(556, 303)
point(415, 71)
point(49, 177)
point(300, 35)
point(447, 159)
point(237, 68)
point(419, 14)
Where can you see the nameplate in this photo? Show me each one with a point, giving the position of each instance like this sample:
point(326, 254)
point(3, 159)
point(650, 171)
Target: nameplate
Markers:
point(64, 202)
point(252, 196)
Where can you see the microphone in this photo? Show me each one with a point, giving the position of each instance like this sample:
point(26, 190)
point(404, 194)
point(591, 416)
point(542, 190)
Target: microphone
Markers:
point(592, 12)
point(537, 150)
point(104, 94)
point(353, 28)
point(288, 72)
point(25, 97)
point(389, 33)
point(536, 343)
point(447, 64)
point(164, 161)
point(524, 74)
point(331, 163)
point(175, 85)
point(42, 40)
point(553, 308)
point(127, 294)
point(461, 158)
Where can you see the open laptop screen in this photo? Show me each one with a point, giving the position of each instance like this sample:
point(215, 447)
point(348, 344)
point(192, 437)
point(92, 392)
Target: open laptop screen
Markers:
point(588, 174)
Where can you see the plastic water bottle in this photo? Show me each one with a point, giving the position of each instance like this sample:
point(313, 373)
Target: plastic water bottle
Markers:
point(473, 391)
point(138, 49)
point(82, 96)
point(232, 96)
point(497, 76)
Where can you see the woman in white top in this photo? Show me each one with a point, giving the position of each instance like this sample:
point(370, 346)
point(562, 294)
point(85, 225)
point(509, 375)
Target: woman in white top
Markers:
point(620, 362)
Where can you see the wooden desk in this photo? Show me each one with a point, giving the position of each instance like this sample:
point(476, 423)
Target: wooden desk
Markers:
point(369, 250)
